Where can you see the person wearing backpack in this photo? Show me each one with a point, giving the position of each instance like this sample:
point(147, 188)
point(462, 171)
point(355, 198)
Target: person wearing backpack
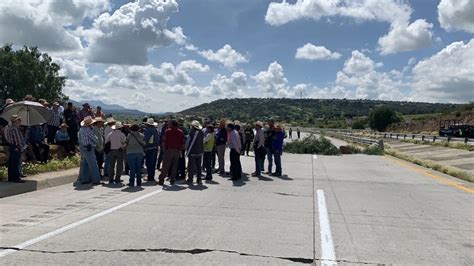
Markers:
point(135, 143)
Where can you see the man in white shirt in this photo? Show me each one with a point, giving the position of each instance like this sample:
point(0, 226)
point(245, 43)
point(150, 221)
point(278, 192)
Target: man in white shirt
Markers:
point(116, 155)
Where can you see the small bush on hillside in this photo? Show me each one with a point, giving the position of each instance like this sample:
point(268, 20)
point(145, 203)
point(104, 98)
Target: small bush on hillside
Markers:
point(312, 145)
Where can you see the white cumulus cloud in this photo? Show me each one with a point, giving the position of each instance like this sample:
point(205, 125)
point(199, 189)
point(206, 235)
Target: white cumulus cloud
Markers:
point(272, 81)
point(402, 36)
point(126, 36)
point(312, 52)
point(456, 15)
point(226, 55)
point(446, 76)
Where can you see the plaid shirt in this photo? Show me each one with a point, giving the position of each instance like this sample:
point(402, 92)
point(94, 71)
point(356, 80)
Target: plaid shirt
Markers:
point(87, 137)
point(15, 137)
point(55, 119)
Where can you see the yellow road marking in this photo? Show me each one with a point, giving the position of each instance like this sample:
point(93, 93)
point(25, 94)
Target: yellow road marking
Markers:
point(441, 179)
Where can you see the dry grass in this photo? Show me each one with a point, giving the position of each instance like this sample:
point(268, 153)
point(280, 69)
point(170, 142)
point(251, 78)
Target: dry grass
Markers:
point(431, 165)
point(460, 146)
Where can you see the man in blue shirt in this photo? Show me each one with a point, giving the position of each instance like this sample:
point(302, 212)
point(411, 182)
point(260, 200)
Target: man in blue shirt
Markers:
point(36, 139)
point(152, 141)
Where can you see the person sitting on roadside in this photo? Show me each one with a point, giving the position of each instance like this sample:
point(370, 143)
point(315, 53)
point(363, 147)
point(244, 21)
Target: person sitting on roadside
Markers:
point(36, 139)
point(62, 139)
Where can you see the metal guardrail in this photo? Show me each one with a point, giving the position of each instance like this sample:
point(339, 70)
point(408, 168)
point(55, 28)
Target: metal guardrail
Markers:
point(431, 138)
point(404, 136)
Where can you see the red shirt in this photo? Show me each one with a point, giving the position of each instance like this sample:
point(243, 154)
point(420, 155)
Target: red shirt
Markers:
point(174, 139)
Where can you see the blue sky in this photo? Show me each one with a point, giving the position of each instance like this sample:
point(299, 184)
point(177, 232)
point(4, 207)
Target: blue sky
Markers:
point(170, 55)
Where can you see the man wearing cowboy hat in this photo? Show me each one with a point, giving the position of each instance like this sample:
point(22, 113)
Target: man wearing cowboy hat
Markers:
point(17, 146)
point(63, 139)
point(109, 122)
point(259, 149)
point(87, 143)
point(173, 144)
point(99, 148)
point(54, 122)
point(116, 155)
point(221, 140)
point(40, 148)
point(194, 152)
point(152, 142)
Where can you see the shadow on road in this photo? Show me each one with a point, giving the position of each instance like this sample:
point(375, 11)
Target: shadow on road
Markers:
point(174, 188)
point(212, 182)
point(264, 178)
point(80, 187)
point(149, 184)
point(242, 181)
point(286, 177)
point(132, 189)
point(199, 187)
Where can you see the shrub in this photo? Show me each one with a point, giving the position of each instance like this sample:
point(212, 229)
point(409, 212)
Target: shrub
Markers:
point(373, 150)
point(382, 117)
point(312, 145)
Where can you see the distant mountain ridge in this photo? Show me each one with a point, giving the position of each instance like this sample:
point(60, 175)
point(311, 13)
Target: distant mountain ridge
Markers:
point(305, 110)
point(111, 108)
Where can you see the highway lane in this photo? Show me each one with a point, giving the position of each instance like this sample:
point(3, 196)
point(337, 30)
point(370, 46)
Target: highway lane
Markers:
point(380, 210)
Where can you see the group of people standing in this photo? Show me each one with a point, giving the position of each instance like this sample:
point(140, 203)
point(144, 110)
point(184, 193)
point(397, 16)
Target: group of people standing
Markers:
point(33, 142)
point(168, 145)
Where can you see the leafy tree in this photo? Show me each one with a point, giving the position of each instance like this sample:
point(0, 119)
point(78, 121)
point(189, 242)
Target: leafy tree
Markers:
point(381, 117)
point(359, 124)
point(28, 71)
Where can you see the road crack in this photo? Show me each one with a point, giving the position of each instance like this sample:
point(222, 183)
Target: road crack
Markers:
point(195, 251)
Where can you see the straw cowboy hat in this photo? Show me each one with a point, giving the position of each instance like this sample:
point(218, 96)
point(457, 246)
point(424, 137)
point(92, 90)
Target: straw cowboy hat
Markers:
point(196, 124)
point(99, 119)
point(87, 121)
point(64, 125)
point(118, 125)
point(110, 120)
point(14, 118)
point(151, 122)
point(237, 122)
point(259, 123)
point(9, 101)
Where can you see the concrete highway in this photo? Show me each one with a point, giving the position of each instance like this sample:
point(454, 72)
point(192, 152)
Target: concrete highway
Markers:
point(357, 209)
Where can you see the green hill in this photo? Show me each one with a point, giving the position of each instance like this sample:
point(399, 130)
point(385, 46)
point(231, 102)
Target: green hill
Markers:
point(303, 111)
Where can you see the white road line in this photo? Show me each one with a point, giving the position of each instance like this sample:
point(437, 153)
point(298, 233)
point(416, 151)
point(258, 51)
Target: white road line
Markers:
point(328, 255)
point(63, 229)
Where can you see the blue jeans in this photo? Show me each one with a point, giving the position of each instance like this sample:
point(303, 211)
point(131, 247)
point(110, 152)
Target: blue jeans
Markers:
point(89, 170)
point(135, 163)
point(14, 160)
point(277, 156)
point(150, 161)
point(270, 159)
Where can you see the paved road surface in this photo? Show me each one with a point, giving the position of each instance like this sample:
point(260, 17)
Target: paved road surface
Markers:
point(379, 211)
